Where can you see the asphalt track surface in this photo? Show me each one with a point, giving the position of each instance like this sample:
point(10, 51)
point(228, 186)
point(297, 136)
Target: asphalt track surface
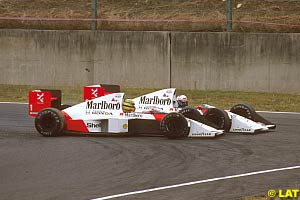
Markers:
point(86, 167)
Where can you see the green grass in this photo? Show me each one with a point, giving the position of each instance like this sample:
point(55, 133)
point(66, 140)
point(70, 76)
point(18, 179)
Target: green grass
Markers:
point(222, 99)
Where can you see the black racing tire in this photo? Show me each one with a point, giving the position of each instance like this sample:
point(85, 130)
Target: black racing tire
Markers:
point(247, 111)
point(194, 114)
point(50, 122)
point(219, 118)
point(244, 110)
point(191, 113)
point(174, 125)
point(64, 106)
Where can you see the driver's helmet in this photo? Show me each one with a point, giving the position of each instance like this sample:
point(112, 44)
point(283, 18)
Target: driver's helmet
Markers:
point(128, 105)
point(182, 101)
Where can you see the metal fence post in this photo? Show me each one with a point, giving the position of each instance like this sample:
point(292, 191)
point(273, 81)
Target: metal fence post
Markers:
point(228, 11)
point(94, 14)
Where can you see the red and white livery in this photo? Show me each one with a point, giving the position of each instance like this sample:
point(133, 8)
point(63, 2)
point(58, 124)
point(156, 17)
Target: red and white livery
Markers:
point(104, 114)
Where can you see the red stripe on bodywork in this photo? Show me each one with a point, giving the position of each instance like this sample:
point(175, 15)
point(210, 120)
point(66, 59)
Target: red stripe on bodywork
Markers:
point(75, 124)
point(159, 116)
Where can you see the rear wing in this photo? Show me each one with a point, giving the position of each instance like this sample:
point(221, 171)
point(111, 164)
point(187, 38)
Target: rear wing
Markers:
point(93, 91)
point(45, 98)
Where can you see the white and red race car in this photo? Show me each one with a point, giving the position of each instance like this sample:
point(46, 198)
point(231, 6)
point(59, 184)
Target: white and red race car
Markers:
point(156, 112)
point(241, 118)
point(102, 113)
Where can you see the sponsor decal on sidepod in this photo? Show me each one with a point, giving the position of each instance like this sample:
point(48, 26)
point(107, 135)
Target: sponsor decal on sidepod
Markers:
point(103, 105)
point(93, 125)
point(155, 100)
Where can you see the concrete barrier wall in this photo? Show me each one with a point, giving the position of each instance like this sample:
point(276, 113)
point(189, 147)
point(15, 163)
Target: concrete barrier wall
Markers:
point(206, 61)
point(236, 61)
point(136, 59)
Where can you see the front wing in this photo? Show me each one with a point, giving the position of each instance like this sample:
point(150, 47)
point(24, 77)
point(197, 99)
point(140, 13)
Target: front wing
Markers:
point(241, 124)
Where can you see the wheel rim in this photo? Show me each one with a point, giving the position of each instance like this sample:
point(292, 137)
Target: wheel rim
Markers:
point(48, 122)
point(174, 125)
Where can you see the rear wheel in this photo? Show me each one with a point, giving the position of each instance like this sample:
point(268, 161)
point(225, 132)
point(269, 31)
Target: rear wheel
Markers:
point(219, 118)
point(50, 122)
point(174, 125)
point(194, 114)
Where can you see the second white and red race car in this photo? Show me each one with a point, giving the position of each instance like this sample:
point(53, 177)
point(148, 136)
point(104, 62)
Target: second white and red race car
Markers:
point(102, 112)
point(241, 118)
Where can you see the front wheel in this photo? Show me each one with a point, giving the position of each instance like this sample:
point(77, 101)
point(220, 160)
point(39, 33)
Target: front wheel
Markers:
point(191, 113)
point(50, 122)
point(174, 125)
point(243, 110)
point(247, 111)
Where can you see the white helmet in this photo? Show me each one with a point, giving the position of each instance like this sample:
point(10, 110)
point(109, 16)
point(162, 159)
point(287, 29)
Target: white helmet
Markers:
point(182, 101)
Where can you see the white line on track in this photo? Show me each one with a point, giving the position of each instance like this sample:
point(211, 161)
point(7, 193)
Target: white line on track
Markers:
point(13, 103)
point(197, 182)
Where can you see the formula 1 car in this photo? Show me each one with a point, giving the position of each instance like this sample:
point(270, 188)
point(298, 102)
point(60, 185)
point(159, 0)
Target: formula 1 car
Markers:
point(103, 113)
point(241, 118)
